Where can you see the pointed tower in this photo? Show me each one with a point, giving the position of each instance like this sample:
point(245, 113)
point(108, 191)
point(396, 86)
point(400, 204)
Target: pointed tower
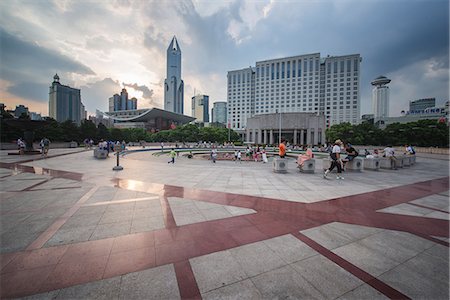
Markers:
point(174, 85)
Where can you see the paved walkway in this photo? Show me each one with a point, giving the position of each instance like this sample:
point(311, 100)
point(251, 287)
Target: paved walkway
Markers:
point(73, 228)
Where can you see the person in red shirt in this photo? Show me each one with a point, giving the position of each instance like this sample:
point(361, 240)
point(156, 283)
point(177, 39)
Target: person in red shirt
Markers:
point(282, 148)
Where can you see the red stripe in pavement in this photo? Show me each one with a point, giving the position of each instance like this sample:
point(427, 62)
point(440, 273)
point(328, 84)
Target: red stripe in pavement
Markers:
point(186, 280)
point(167, 212)
point(349, 267)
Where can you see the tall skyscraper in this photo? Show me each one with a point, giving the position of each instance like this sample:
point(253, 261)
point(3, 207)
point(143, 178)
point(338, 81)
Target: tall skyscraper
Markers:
point(200, 108)
point(219, 112)
point(304, 83)
point(174, 85)
point(380, 97)
point(65, 102)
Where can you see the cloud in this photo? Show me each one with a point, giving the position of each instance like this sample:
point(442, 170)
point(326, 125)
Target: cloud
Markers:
point(129, 44)
point(30, 57)
point(146, 92)
point(427, 78)
point(96, 95)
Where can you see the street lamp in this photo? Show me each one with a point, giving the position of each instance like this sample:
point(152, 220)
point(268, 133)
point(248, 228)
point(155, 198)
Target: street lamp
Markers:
point(279, 134)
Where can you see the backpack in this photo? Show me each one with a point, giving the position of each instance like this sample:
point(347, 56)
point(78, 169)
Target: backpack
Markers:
point(46, 142)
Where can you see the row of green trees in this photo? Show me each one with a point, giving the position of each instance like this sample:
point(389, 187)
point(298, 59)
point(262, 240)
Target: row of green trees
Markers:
point(68, 131)
point(423, 133)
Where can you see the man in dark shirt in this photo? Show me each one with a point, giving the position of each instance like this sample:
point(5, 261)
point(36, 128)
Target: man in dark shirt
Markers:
point(351, 154)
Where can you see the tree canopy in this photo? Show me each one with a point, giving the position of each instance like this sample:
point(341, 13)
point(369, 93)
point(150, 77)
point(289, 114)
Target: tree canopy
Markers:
point(423, 133)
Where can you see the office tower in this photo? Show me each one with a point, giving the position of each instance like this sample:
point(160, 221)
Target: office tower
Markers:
point(174, 85)
point(132, 104)
point(123, 99)
point(419, 106)
point(219, 112)
point(380, 97)
point(64, 102)
point(114, 103)
point(200, 108)
point(304, 83)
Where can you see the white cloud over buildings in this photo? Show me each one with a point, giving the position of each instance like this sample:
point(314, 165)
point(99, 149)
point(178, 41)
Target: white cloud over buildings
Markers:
point(101, 46)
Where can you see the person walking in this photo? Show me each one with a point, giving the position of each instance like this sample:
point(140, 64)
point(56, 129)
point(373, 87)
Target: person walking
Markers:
point(214, 155)
point(172, 155)
point(239, 156)
point(282, 148)
point(45, 146)
point(335, 156)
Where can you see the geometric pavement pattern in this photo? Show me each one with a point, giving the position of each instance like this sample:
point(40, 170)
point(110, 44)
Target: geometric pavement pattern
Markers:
point(137, 241)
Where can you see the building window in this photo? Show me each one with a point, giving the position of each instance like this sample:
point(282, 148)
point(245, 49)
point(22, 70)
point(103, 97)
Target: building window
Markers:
point(278, 70)
point(293, 68)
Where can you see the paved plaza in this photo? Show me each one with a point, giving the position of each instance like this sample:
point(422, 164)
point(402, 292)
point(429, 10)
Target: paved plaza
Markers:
point(72, 228)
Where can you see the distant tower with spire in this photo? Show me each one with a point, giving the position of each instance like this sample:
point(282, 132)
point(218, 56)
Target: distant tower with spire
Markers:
point(174, 85)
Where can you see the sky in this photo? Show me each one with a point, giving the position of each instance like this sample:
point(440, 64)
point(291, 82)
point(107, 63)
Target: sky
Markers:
point(102, 46)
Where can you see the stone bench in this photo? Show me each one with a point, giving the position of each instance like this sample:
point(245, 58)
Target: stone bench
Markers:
point(405, 161)
point(385, 163)
point(412, 159)
point(309, 166)
point(100, 153)
point(280, 165)
point(372, 164)
point(357, 164)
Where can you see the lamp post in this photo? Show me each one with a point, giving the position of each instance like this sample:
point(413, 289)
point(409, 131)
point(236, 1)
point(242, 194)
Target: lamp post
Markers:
point(279, 133)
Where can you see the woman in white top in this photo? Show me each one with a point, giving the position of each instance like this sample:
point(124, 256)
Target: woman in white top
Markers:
point(335, 160)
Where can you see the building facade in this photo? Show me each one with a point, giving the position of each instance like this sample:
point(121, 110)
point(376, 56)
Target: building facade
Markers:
point(21, 109)
point(219, 112)
point(200, 108)
point(65, 102)
point(296, 128)
point(380, 97)
point(304, 83)
point(419, 106)
point(174, 85)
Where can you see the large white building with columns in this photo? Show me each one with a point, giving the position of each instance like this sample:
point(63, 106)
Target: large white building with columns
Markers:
point(296, 128)
point(329, 86)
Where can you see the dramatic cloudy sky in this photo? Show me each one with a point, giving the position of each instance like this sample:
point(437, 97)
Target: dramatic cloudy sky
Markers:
point(102, 46)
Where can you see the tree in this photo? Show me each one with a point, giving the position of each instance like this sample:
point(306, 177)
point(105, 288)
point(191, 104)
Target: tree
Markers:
point(102, 132)
point(70, 131)
point(88, 130)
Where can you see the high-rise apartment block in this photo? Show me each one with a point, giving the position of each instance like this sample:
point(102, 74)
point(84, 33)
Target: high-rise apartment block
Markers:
point(65, 103)
point(121, 102)
point(304, 83)
point(174, 85)
point(200, 108)
point(219, 112)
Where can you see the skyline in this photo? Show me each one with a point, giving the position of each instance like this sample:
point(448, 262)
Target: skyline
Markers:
point(102, 47)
